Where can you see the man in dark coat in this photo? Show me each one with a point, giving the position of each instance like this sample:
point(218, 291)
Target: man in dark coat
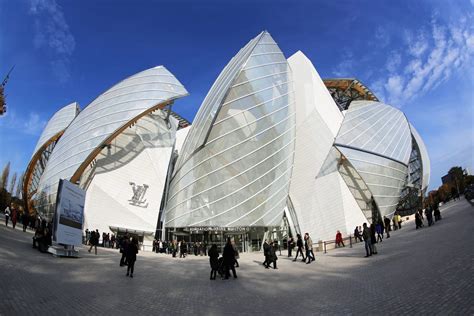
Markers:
point(123, 249)
point(273, 257)
point(266, 253)
point(299, 245)
point(214, 261)
point(291, 245)
point(131, 254)
point(367, 240)
point(386, 221)
point(229, 259)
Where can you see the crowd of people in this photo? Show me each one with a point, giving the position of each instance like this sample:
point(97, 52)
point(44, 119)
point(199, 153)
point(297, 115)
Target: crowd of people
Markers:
point(92, 239)
point(43, 236)
point(180, 248)
point(307, 243)
point(129, 246)
point(374, 233)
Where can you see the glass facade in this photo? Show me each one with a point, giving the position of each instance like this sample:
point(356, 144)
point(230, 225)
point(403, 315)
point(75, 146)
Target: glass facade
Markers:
point(238, 175)
point(376, 138)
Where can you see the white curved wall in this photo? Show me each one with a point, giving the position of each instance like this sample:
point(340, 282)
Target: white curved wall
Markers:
point(150, 142)
point(98, 121)
point(323, 204)
point(240, 176)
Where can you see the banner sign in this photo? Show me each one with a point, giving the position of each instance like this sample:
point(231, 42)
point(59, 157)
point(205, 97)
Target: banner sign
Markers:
point(69, 215)
point(216, 229)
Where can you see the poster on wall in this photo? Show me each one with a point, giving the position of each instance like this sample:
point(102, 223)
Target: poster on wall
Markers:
point(69, 215)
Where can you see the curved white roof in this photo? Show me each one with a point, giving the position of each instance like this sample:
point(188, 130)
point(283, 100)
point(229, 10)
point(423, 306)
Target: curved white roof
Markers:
point(107, 114)
point(238, 156)
point(58, 122)
point(425, 159)
point(377, 128)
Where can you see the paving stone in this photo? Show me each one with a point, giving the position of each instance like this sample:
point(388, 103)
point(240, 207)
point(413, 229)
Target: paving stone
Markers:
point(425, 271)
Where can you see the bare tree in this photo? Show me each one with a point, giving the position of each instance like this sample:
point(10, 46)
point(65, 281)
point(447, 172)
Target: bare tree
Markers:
point(12, 184)
point(19, 186)
point(5, 174)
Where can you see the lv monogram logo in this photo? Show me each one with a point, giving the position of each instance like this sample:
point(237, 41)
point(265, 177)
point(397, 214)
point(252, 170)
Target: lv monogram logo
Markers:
point(138, 198)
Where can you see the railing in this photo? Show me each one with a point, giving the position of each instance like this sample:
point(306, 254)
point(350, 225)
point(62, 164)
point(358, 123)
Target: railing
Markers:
point(349, 238)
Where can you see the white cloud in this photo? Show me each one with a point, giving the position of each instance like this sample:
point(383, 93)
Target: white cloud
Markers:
point(382, 37)
point(393, 62)
point(345, 68)
point(428, 58)
point(52, 33)
point(31, 124)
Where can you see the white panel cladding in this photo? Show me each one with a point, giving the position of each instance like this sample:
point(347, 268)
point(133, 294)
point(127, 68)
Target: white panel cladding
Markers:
point(181, 135)
point(140, 155)
point(102, 118)
point(318, 120)
point(378, 128)
point(58, 122)
point(425, 159)
point(240, 177)
point(330, 207)
point(311, 95)
point(384, 177)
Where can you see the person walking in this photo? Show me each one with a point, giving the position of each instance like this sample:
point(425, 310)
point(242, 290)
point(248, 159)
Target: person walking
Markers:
point(429, 215)
point(236, 254)
point(366, 236)
point(309, 248)
point(357, 235)
point(266, 254)
point(418, 221)
point(94, 240)
point(14, 216)
point(131, 254)
point(123, 244)
point(373, 239)
point(24, 220)
point(183, 249)
point(272, 254)
point(291, 245)
point(299, 245)
point(214, 261)
point(386, 221)
point(7, 215)
point(229, 259)
point(378, 229)
point(339, 241)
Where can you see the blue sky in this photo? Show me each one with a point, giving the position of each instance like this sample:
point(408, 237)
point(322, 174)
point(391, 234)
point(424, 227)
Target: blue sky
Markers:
point(417, 55)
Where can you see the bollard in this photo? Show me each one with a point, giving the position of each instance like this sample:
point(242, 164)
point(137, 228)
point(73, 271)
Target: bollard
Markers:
point(350, 241)
point(325, 247)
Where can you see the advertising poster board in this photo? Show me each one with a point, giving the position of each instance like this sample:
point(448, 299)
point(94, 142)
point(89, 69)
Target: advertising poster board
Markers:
point(69, 215)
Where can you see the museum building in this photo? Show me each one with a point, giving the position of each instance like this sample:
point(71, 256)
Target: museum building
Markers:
point(273, 151)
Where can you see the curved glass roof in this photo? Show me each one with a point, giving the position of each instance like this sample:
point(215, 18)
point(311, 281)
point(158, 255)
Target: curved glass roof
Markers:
point(103, 119)
point(376, 128)
point(44, 147)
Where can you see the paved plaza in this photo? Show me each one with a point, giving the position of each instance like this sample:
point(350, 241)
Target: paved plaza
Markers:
point(427, 271)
